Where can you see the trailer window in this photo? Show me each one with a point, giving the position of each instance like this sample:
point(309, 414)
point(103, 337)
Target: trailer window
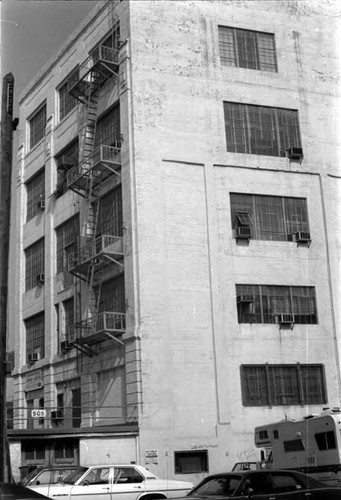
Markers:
point(325, 440)
point(293, 445)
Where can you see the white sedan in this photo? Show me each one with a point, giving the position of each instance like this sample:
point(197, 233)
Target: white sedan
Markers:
point(114, 482)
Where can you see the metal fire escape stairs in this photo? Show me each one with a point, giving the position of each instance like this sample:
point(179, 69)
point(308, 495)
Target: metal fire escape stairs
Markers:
point(85, 178)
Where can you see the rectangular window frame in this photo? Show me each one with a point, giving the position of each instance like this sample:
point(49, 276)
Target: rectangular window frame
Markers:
point(271, 218)
point(35, 194)
point(258, 48)
point(108, 127)
point(66, 159)
point(191, 461)
point(260, 130)
point(260, 387)
point(67, 239)
point(265, 303)
point(34, 263)
point(35, 335)
point(66, 101)
point(37, 125)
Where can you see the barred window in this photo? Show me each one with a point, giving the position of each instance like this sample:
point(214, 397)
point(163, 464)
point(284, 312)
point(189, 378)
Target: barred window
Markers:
point(67, 102)
point(37, 125)
point(35, 189)
point(247, 49)
point(110, 213)
point(260, 130)
point(265, 303)
point(271, 217)
point(108, 128)
point(67, 240)
point(35, 335)
point(275, 385)
point(65, 160)
point(34, 258)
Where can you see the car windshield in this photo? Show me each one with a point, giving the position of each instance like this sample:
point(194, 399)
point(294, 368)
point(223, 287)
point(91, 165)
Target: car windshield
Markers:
point(218, 485)
point(75, 475)
point(29, 476)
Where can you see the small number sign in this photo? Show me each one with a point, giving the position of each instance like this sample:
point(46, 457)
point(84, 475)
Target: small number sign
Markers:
point(38, 413)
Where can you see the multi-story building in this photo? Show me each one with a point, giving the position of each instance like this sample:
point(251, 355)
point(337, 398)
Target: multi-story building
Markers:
point(177, 222)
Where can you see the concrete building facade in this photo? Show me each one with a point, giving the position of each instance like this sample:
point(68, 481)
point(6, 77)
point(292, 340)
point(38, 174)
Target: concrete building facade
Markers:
point(178, 235)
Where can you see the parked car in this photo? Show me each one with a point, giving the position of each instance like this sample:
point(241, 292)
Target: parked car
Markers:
point(12, 491)
point(263, 485)
point(48, 475)
point(249, 466)
point(104, 482)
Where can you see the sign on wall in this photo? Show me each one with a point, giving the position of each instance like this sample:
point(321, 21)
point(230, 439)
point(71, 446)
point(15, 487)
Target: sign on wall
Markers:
point(151, 457)
point(34, 381)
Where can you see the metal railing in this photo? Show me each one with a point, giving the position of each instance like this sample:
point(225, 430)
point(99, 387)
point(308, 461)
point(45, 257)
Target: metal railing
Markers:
point(103, 244)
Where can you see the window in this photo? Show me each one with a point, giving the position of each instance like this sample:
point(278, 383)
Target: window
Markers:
point(65, 160)
point(247, 49)
point(66, 101)
point(37, 124)
point(265, 303)
point(34, 270)
point(65, 450)
point(112, 295)
point(110, 214)
point(69, 312)
point(126, 475)
point(112, 41)
point(34, 450)
point(35, 335)
point(293, 445)
point(35, 189)
point(67, 239)
point(189, 462)
point(272, 218)
point(108, 128)
point(325, 440)
point(275, 385)
point(260, 130)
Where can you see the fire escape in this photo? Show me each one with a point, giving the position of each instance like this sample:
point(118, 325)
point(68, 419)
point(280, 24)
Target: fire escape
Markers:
point(95, 252)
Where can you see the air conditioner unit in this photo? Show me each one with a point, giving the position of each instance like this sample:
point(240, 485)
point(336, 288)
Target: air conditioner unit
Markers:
point(244, 299)
point(302, 237)
point(295, 154)
point(285, 319)
point(33, 357)
point(41, 205)
point(40, 278)
point(117, 144)
point(65, 345)
point(243, 232)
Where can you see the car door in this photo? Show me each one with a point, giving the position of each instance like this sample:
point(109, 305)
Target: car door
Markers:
point(128, 483)
point(256, 487)
point(95, 485)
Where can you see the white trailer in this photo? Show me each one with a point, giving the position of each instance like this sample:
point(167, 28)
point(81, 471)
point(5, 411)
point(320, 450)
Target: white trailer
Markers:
point(311, 445)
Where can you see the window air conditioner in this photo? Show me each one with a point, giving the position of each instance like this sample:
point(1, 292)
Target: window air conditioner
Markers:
point(65, 345)
point(295, 154)
point(302, 237)
point(286, 319)
point(33, 357)
point(41, 205)
point(243, 232)
point(40, 278)
point(244, 299)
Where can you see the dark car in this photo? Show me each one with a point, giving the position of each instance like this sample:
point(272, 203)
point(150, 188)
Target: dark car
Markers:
point(12, 491)
point(263, 485)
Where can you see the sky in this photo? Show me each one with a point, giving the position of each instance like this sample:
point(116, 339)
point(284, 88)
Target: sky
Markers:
point(32, 31)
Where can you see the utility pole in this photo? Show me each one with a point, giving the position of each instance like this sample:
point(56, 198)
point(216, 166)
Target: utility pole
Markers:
point(5, 201)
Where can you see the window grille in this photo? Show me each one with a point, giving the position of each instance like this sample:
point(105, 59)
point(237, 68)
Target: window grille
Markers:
point(110, 214)
point(35, 189)
point(35, 334)
point(269, 301)
point(34, 259)
point(276, 385)
point(272, 218)
point(67, 102)
point(260, 130)
point(247, 49)
point(108, 128)
point(37, 126)
point(67, 159)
